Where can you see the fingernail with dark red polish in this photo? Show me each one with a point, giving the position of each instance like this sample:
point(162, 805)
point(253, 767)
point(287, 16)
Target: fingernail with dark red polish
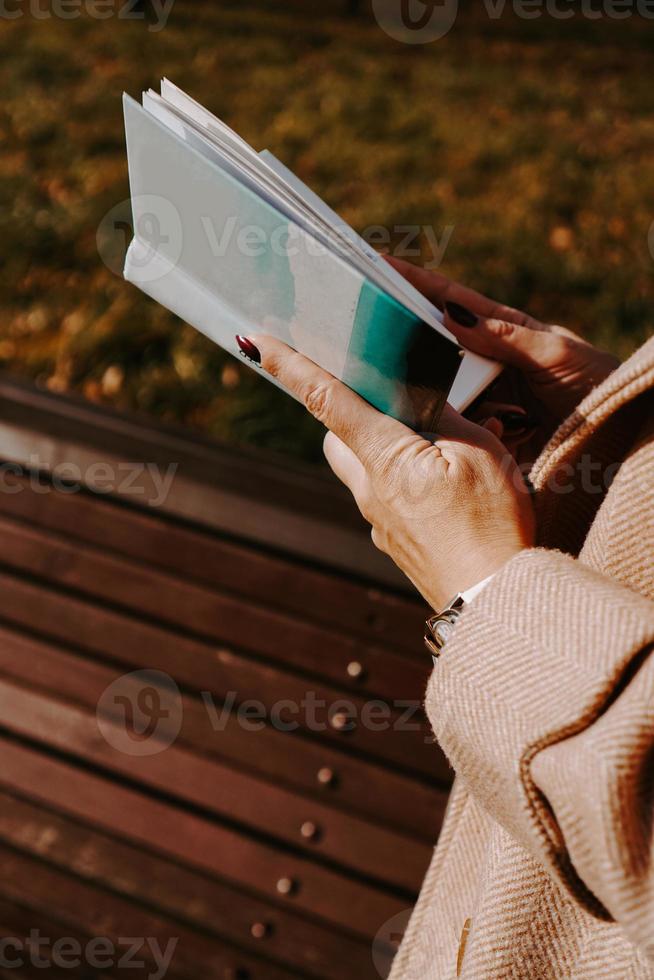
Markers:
point(248, 349)
point(461, 315)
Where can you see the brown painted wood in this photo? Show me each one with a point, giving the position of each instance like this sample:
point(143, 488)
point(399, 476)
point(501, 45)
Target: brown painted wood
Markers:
point(194, 841)
point(204, 557)
point(180, 893)
point(261, 806)
point(358, 786)
point(92, 910)
point(252, 624)
point(273, 501)
point(18, 920)
point(256, 580)
point(203, 667)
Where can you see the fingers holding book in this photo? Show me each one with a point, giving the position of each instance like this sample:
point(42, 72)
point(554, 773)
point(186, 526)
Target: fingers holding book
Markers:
point(448, 508)
point(368, 433)
point(559, 367)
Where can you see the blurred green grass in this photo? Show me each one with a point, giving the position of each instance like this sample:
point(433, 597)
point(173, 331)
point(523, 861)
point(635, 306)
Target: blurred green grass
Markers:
point(533, 140)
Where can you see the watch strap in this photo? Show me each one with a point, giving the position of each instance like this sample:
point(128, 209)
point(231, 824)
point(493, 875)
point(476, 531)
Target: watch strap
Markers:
point(439, 627)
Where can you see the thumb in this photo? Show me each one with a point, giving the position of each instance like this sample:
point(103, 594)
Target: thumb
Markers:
point(456, 432)
point(511, 343)
point(453, 427)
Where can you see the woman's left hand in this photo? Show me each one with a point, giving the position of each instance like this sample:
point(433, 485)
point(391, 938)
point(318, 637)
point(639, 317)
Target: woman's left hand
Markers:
point(449, 510)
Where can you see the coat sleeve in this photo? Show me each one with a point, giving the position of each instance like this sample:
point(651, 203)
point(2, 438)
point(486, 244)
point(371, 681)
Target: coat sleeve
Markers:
point(543, 701)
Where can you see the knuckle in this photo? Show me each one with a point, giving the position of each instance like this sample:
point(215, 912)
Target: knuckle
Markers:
point(389, 459)
point(273, 364)
point(502, 329)
point(509, 314)
point(383, 464)
point(318, 398)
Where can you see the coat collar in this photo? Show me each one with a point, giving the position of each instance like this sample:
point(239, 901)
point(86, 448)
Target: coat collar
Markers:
point(628, 381)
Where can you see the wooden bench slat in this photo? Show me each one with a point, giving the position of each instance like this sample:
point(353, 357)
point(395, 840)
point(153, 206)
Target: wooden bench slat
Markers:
point(249, 583)
point(203, 667)
point(245, 624)
point(357, 785)
point(18, 920)
point(195, 841)
point(92, 910)
point(179, 892)
point(209, 559)
point(261, 806)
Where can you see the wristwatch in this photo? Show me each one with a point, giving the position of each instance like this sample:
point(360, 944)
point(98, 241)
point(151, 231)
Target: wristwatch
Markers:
point(439, 627)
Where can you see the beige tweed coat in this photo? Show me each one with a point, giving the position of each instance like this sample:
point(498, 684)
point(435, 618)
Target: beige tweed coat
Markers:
point(543, 701)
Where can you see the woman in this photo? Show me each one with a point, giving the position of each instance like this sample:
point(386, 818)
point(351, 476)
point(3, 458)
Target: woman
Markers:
point(542, 694)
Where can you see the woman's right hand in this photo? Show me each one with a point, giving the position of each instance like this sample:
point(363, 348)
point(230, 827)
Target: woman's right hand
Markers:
point(559, 367)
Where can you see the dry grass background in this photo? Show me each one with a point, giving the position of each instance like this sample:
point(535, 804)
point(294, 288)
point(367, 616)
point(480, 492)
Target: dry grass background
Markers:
point(532, 139)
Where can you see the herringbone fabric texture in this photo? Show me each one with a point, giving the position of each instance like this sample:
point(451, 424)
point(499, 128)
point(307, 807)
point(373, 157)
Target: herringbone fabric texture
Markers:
point(543, 701)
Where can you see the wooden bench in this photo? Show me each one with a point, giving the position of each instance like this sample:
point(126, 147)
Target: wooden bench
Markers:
point(267, 850)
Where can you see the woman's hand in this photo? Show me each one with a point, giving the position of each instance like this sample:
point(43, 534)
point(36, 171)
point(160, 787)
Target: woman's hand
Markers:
point(559, 367)
point(449, 511)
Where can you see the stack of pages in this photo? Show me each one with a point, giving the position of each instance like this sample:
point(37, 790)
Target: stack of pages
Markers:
point(234, 243)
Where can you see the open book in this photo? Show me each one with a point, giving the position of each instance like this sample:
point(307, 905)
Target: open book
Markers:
point(234, 243)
